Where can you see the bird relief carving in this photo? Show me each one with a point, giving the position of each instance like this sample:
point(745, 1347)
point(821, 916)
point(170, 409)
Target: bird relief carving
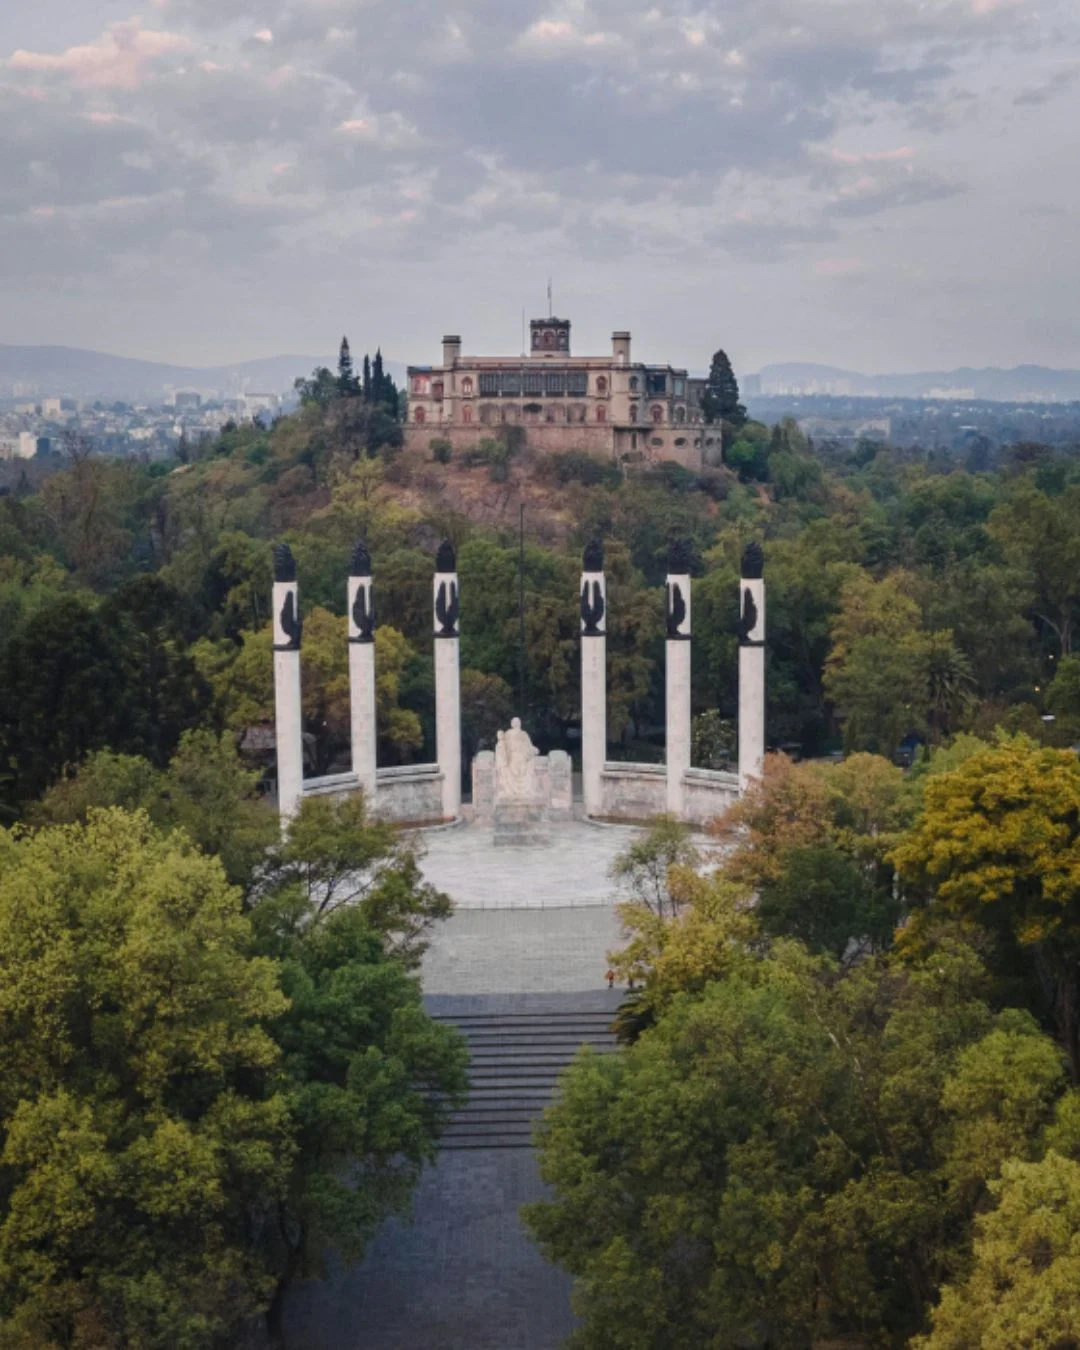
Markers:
point(676, 611)
point(447, 609)
point(592, 608)
point(363, 615)
point(749, 620)
point(291, 624)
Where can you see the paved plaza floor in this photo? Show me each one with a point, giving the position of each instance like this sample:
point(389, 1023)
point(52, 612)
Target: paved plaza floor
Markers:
point(573, 870)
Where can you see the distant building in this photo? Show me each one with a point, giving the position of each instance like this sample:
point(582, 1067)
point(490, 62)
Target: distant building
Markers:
point(25, 445)
point(57, 409)
point(186, 399)
point(608, 405)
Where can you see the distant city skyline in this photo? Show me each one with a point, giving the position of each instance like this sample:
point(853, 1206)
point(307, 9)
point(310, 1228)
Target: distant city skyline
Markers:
point(879, 187)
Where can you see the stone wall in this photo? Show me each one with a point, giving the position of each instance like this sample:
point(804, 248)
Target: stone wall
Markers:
point(682, 444)
point(639, 791)
point(404, 796)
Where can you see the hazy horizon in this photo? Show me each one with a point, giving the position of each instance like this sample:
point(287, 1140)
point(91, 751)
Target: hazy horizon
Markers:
point(880, 188)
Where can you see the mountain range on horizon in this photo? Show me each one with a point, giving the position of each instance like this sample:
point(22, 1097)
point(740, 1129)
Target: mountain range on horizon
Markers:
point(1019, 384)
point(74, 372)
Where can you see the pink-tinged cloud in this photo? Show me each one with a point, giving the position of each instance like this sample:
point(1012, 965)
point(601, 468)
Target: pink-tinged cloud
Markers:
point(116, 60)
point(837, 267)
point(357, 126)
point(900, 153)
point(264, 35)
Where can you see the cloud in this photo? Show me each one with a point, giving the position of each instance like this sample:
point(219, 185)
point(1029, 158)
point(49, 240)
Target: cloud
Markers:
point(118, 59)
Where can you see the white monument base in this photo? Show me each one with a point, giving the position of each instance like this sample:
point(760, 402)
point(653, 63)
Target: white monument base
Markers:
point(521, 825)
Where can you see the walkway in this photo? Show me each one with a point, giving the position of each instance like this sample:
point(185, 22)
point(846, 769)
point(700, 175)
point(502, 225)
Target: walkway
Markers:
point(532, 931)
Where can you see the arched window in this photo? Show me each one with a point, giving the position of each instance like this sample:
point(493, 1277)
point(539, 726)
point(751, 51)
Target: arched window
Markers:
point(419, 415)
point(601, 414)
point(466, 385)
point(657, 414)
point(680, 415)
point(633, 412)
point(466, 414)
point(633, 384)
point(601, 384)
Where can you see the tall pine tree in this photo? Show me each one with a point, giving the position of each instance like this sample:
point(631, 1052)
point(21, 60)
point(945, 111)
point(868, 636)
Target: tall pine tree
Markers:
point(346, 379)
point(378, 392)
point(720, 401)
point(367, 378)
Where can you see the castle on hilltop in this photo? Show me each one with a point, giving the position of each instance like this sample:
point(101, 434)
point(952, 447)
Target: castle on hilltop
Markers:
point(607, 405)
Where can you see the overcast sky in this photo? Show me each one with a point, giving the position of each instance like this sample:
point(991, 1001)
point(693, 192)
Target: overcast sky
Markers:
point(880, 184)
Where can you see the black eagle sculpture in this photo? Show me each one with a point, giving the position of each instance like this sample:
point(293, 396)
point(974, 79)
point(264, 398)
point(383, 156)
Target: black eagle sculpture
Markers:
point(680, 557)
point(676, 610)
point(592, 608)
point(594, 556)
point(292, 625)
point(363, 615)
point(284, 563)
point(446, 558)
point(748, 621)
point(447, 609)
point(753, 562)
point(361, 561)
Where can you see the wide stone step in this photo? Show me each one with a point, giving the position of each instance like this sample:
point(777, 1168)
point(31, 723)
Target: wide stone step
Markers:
point(516, 1061)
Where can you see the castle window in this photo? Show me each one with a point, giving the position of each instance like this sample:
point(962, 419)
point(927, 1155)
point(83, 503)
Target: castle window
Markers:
point(466, 414)
point(601, 385)
point(601, 414)
point(633, 412)
point(680, 388)
point(511, 383)
point(534, 384)
point(551, 412)
point(467, 385)
point(633, 384)
point(657, 414)
point(489, 384)
point(437, 389)
point(555, 383)
point(486, 411)
point(420, 384)
point(657, 440)
point(656, 382)
point(419, 415)
point(577, 383)
point(680, 414)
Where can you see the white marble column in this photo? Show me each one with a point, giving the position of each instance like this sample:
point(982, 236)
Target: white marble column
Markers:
point(677, 676)
point(593, 677)
point(288, 715)
point(362, 672)
point(448, 679)
point(751, 667)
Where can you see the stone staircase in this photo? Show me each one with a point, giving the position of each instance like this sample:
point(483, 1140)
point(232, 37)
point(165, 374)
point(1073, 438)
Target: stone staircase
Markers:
point(518, 1046)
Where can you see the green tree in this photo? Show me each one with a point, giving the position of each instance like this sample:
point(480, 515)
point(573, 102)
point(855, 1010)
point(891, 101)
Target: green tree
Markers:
point(346, 381)
point(828, 903)
point(1026, 1271)
point(763, 1167)
point(141, 1128)
point(336, 856)
point(720, 401)
point(205, 791)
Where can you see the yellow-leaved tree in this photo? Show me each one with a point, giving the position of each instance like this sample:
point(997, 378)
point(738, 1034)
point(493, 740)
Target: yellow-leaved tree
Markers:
point(998, 845)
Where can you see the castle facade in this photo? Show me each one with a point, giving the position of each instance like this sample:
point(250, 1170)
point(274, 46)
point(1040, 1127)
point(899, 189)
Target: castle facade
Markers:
point(607, 405)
